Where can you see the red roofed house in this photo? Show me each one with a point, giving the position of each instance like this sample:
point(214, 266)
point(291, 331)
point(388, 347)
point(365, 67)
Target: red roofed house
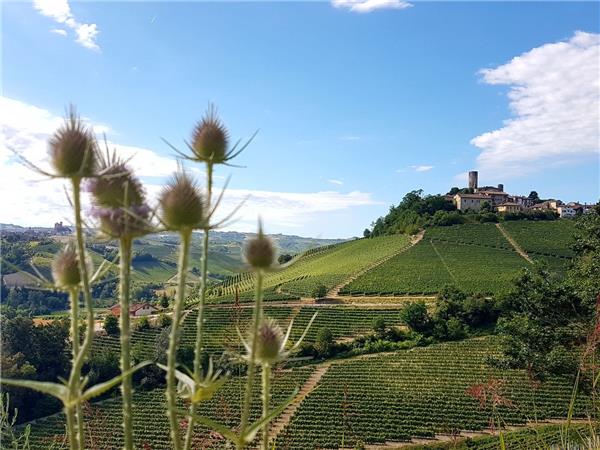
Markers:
point(135, 310)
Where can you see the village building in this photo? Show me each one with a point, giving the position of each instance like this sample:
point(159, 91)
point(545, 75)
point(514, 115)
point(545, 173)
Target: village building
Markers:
point(135, 310)
point(509, 207)
point(471, 202)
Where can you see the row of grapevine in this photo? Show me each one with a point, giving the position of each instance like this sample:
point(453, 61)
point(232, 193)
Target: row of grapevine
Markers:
point(420, 393)
point(221, 334)
point(553, 238)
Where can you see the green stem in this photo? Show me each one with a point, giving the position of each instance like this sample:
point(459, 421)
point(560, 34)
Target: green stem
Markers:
point(71, 428)
point(125, 338)
point(251, 362)
point(75, 376)
point(74, 301)
point(186, 236)
point(266, 399)
point(200, 318)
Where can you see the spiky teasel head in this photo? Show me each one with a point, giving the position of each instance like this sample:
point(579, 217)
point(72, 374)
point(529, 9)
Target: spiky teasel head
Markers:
point(116, 187)
point(270, 343)
point(259, 252)
point(65, 268)
point(210, 139)
point(181, 204)
point(119, 201)
point(73, 149)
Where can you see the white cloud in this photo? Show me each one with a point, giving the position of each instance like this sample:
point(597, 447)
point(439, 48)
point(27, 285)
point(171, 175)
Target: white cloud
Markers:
point(421, 168)
point(60, 12)
point(59, 31)
point(555, 99)
point(29, 199)
point(365, 6)
point(349, 138)
point(338, 182)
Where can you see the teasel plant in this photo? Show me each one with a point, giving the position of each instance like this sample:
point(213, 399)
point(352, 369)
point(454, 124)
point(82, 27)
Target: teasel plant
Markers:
point(210, 145)
point(73, 154)
point(119, 205)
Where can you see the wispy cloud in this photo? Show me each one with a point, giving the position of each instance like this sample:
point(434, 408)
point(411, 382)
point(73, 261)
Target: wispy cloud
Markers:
point(555, 100)
point(59, 31)
point(86, 34)
point(29, 200)
point(421, 168)
point(334, 181)
point(365, 6)
point(349, 138)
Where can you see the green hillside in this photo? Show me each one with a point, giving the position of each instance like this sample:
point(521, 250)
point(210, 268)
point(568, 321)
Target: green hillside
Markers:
point(327, 266)
point(418, 393)
point(392, 397)
point(474, 257)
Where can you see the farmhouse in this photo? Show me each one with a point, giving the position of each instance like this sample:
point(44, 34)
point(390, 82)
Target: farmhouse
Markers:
point(135, 310)
point(470, 201)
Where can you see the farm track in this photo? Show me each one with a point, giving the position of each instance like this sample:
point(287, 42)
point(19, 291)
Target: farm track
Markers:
point(335, 292)
point(284, 418)
point(514, 243)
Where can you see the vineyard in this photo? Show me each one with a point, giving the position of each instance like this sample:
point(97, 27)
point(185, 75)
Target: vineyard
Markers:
point(419, 393)
point(221, 334)
point(474, 257)
point(546, 238)
point(326, 266)
point(151, 428)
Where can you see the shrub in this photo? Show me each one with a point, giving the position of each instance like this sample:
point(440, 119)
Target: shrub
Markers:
point(416, 317)
point(111, 325)
point(319, 292)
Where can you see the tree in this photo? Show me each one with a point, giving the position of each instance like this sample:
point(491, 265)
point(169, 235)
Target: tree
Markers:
point(324, 342)
point(111, 325)
point(143, 324)
point(534, 197)
point(486, 206)
point(164, 300)
point(416, 317)
point(284, 257)
point(319, 292)
point(379, 326)
point(367, 233)
point(453, 191)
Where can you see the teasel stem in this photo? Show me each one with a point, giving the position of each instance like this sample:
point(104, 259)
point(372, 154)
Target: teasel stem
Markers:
point(74, 301)
point(75, 376)
point(266, 399)
point(200, 318)
point(72, 428)
point(125, 244)
point(252, 363)
point(186, 236)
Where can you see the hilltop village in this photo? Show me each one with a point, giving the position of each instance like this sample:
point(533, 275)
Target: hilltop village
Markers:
point(475, 198)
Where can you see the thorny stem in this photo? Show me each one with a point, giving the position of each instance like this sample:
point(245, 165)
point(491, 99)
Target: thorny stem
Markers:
point(71, 427)
point(186, 236)
point(75, 375)
point(266, 399)
point(251, 362)
point(125, 338)
point(200, 318)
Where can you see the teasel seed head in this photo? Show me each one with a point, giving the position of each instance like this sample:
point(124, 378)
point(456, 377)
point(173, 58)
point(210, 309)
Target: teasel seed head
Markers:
point(73, 149)
point(269, 342)
point(116, 187)
point(210, 139)
point(65, 268)
point(259, 251)
point(181, 204)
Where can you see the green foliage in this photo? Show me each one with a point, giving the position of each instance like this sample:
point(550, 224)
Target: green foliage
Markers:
point(319, 291)
point(379, 325)
point(25, 354)
point(324, 342)
point(416, 317)
point(284, 258)
point(143, 324)
point(111, 325)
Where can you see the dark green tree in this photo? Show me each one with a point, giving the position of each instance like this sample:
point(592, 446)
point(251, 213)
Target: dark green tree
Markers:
point(111, 325)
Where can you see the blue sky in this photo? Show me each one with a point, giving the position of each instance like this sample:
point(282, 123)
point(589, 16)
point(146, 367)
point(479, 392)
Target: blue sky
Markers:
point(355, 106)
